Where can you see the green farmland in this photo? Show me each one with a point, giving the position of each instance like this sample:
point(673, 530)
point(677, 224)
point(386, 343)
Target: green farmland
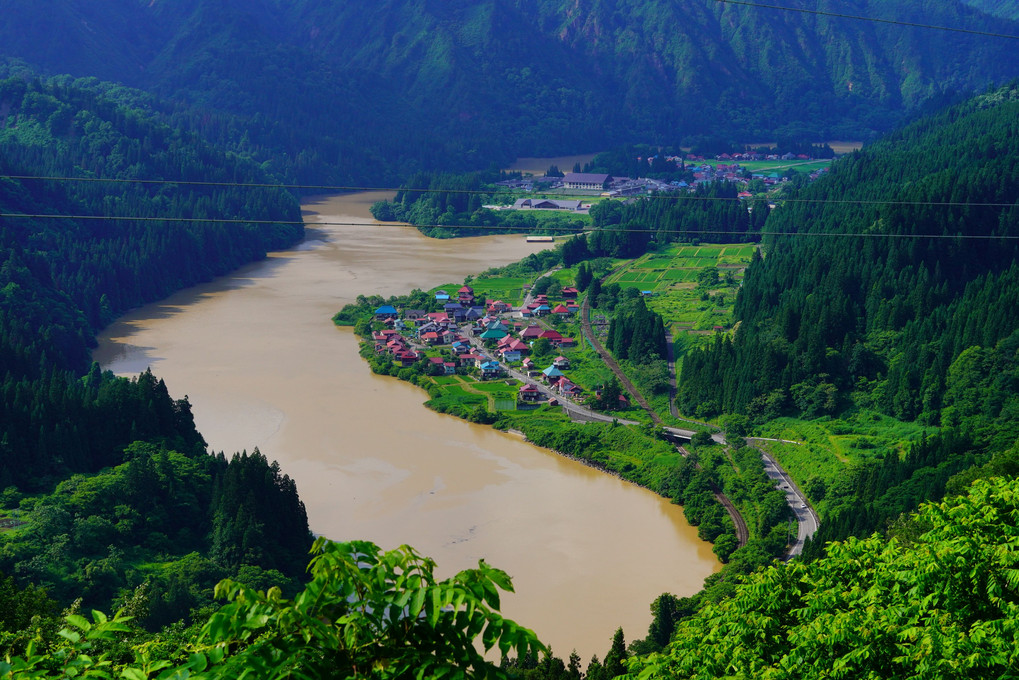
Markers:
point(778, 166)
point(671, 276)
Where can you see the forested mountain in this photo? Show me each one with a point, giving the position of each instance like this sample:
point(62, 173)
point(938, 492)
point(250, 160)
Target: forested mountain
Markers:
point(938, 601)
point(351, 91)
point(900, 259)
point(896, 289)
point(112, 481)
point(1009, 9)
point(111, 246)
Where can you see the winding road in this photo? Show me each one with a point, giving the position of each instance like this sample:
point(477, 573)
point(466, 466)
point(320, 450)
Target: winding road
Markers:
point(807, 519)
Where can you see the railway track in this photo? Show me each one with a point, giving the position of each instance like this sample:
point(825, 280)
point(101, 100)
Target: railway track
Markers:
point(742, 532)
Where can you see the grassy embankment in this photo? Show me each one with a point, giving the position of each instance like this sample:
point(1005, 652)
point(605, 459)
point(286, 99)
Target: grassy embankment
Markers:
point(831, 447)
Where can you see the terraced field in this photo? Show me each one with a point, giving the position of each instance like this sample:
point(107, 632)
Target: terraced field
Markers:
point(670, 277)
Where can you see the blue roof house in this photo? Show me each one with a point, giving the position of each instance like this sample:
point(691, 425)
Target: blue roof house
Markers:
point(386, 312)
point(490, 369)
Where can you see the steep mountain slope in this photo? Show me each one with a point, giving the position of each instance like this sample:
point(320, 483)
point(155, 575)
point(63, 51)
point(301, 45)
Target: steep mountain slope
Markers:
point(109, 473)
point(76, 254)
point(393, 86)
point(661, 69)
point(893, 299)
point(1008, 9)
point(896, 290)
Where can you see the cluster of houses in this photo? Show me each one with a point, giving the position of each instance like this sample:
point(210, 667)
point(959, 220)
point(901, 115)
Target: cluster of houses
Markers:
point(606, 185)
point(496, 336)
point(736, 173)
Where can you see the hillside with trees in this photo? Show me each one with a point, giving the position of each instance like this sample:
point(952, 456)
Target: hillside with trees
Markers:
point(347, 93)
point(893, 266)
point(107, 492)
point(937, 600)
point(895, 290)
point(1008, 9)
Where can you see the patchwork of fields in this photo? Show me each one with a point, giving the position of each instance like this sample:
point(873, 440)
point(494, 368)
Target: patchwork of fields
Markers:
point(670, 278)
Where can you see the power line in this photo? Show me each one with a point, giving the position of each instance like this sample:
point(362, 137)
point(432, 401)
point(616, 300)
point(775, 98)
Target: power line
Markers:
point(345, 188)
point(871, 19)
point(255, 185)
point(507, 229)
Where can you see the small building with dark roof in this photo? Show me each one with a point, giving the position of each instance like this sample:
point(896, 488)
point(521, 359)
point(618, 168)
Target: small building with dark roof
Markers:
point(586, 180)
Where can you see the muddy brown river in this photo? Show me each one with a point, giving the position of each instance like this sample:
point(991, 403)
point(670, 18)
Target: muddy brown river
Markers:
point(263, 366)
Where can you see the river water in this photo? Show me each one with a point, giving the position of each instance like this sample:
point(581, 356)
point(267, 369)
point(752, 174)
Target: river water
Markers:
point(263, 366)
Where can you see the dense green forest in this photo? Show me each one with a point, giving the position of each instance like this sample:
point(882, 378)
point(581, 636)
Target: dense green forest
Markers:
point(710, 213)
point(879, 299)
point(937, 600)
point(121, 243)
point(352, 94)
point(107, 492)
point(1009, 9)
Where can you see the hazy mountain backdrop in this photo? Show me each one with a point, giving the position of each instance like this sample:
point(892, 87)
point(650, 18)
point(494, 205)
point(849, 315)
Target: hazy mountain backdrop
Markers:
point(333, 87)
point(1002, 8)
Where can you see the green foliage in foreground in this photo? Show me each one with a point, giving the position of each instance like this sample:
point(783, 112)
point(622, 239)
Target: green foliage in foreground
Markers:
point(365, 613)
point(938, 600)
point(941, 600)
point(157, 532)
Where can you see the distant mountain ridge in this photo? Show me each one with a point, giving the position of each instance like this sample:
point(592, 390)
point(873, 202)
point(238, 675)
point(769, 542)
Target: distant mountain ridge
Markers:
point(1008, 9)
point(398, 85)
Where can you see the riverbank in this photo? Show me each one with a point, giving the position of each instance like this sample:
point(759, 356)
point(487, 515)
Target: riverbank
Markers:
point(450, 350)
point(261, 368)
point(489, 362)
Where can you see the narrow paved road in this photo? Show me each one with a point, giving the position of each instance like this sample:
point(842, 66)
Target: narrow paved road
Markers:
point(806, 517)
point(574, 410)
point(529, 295)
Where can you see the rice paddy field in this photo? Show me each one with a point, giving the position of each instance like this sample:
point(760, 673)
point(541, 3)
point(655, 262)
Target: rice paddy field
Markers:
point(779, 166)
point(670, 278)
point(495, 395)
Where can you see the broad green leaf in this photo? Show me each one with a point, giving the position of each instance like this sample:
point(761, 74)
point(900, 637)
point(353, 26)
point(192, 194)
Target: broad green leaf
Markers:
point(435, 607)
point(78, 621)
point(69, 635)
point(418, 602)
